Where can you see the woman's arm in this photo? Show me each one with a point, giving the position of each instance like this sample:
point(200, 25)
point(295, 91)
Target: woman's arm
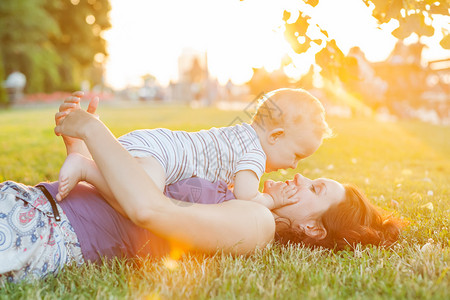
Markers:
point(235, 226)
point(76, 145)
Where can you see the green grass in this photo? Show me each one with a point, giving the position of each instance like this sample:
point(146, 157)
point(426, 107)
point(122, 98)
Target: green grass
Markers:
point(406, 161)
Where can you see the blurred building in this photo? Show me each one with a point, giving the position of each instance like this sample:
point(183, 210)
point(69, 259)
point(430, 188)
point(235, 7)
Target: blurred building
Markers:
point(151, 90)
point(194, 84)
point(404, 73)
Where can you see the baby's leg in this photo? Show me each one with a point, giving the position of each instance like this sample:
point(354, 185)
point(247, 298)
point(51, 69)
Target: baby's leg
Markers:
point(78, 168)
point(74, 170)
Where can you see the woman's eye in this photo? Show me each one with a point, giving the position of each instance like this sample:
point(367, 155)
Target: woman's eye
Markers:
point(312, 188)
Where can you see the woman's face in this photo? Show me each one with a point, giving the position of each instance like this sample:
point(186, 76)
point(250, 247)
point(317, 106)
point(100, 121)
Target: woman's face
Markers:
point(315, 198)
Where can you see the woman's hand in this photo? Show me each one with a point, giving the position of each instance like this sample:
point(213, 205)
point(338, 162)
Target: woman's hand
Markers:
point(281, 193)
point(73, 102)
point(75, 123)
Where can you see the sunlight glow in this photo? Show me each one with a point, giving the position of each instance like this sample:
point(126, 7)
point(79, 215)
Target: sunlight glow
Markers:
point(170, 263)
point(152, 296)
point(90, 19)
point(147, 37)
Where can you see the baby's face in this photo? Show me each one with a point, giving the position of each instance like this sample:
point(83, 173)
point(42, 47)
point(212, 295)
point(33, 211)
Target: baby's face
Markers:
point(295, 144)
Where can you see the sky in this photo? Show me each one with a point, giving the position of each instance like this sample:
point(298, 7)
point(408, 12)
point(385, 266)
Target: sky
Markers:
point(147, 36)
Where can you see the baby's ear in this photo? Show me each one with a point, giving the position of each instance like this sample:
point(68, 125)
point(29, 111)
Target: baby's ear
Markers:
point(275, 134)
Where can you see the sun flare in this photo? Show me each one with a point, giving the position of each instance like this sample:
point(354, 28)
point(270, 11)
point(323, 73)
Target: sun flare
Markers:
point(147, 37)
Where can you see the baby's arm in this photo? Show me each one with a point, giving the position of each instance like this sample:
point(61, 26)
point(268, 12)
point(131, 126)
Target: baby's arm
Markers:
point(246, 188)
point(74, 145)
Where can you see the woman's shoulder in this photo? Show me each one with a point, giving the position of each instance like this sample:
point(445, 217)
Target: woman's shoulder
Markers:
point(257, 224)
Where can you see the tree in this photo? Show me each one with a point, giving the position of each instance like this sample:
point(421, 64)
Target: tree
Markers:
point(24, 27)
point(53, 42)
point(3, 96)
point(414, 16)
point(79, 39)
point(265, 81)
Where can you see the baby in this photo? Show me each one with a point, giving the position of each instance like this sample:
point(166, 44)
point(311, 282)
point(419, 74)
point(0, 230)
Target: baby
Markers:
point(288, 126)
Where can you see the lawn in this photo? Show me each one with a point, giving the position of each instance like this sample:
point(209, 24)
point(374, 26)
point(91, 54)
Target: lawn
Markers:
point(403, 167)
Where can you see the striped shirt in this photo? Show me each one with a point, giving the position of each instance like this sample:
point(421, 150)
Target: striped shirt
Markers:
point(214, 154)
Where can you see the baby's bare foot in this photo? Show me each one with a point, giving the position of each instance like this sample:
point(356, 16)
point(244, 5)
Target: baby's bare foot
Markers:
point(72, 172)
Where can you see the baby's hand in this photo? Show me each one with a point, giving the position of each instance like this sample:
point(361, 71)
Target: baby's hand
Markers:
point(281, 193)
point(72, 103)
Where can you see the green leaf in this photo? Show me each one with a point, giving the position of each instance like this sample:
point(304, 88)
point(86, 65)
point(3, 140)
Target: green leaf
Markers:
point(313, 3)
point(300, 26)
point(323, 57)
point(385, 10)
point(286, 15)
point(445, 42)
point(440, 8)
point(414, 23)
point(295, 44)
point(428, 30)
point(295, 30)
point(393, 12)
point(402, 32)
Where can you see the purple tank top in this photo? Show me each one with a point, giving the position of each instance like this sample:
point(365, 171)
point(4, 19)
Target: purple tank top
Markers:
point(103, 232)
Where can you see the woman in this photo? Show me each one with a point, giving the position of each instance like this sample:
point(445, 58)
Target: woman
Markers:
point(318, 220)
point(234, 226)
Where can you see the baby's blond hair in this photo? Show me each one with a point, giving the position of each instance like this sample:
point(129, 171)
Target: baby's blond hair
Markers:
point(290, 107)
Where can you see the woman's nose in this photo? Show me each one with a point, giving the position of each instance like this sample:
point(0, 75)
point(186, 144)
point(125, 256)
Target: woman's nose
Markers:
point(300, 179)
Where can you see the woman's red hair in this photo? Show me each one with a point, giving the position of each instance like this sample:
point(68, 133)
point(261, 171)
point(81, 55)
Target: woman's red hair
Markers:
point(353, 221)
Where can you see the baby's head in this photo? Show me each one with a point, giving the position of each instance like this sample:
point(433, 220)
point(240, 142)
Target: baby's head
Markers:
point(291, 125)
